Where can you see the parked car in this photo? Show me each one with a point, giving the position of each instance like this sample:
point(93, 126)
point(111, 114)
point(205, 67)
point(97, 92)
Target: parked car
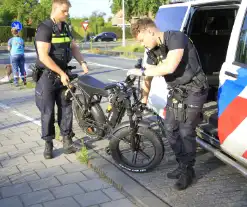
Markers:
point(105, 36)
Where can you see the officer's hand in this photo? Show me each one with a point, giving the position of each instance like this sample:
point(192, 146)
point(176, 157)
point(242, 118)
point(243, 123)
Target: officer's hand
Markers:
point(85, 68)
point(64, 79)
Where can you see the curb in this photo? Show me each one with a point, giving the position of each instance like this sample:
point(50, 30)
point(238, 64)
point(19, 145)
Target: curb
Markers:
point(124, 183)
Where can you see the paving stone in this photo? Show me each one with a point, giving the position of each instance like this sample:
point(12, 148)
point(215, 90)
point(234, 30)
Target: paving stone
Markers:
point(90, 174)
point(7, 148)
point(11, 202)
point(55, 161)
point(4, 172)
point(13, 162)
point(4, 156)
point(113, 193)
point(64, 202)
point(71, 157)
point(17, 135)
point(28, 145)
point(94, 184)
point(38, 150)
point(11, 142)
point(31, 166)
point(5, 182)
point(41, 142)
point(16, 189)
point(49, 172)
point(24, 177)
point(36, 205)
point(6, 132)
point(34, 158)
point(92, 198)
point(33, 138)
point(44, 183)
point(3, 138)
point(37, 197)
point(119, 203)
point(66, 190)
point(20, 153)
point(74, 167)
point(71, 178)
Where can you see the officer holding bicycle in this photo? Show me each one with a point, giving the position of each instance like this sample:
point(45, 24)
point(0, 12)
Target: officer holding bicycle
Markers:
point(172, 54)
point(55, 48)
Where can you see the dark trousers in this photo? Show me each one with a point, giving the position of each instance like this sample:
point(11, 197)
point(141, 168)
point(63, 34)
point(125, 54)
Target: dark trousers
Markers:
point(181, 134)
point(47, 93)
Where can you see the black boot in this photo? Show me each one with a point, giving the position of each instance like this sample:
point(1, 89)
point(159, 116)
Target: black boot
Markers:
point(186, 177)
point(175, 174)
point(48, 150)
point(68, 145)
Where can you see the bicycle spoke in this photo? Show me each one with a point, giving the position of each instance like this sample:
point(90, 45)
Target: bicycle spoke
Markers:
point(144, 154)
point(134, 157)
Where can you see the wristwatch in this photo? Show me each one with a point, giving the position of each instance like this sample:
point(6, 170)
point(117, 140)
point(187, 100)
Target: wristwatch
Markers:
point(83, 62)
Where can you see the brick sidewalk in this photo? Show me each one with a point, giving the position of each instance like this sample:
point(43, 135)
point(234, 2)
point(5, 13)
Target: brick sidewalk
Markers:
point(26, 179)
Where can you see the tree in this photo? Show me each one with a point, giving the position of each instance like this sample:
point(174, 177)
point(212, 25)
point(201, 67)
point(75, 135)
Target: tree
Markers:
point(137, 7)
point(96, 20)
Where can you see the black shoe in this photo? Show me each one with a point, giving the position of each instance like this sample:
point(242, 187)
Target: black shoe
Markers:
point(48, 150)
point(175, 174)
point(68, 145)
point(186, 178)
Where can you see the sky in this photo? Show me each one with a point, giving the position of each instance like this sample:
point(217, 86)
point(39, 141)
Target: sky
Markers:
point(82, 8)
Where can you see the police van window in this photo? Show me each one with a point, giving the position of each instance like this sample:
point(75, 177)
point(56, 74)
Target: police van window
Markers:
point(241, 55)
point(170, 18)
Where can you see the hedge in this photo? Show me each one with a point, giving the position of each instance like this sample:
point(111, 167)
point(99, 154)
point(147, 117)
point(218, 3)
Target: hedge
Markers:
point(27, 33)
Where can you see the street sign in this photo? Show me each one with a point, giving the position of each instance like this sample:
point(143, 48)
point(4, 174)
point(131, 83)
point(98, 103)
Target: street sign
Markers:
point(84, 25)
point(16, 25)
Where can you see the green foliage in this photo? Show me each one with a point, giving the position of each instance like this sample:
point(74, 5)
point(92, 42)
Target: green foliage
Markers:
point(83, 155)
point(28, 12)
point(130, 48)
point(27, 33)
point(5, 33)
point(137, 7)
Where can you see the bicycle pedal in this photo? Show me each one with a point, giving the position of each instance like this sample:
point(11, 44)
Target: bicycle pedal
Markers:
point(108, 150)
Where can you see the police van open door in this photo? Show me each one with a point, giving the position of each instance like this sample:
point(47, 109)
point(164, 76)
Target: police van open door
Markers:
point(232, 94)
point(172, 16)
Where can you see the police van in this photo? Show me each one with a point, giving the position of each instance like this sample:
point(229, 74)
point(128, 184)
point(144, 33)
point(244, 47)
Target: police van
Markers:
point(218, 29)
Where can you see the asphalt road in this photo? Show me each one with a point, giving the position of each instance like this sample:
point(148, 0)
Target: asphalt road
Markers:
point(218, 185)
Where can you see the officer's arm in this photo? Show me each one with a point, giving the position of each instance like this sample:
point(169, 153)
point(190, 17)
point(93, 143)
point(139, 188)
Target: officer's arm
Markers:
point(146, 89)
point(76, 52)
point(77, 55)
point(170, 64)
point(43, 49)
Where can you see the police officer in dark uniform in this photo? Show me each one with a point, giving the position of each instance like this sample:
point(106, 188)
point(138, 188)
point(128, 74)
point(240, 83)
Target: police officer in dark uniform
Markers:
point(172, 54)
point(55, 48)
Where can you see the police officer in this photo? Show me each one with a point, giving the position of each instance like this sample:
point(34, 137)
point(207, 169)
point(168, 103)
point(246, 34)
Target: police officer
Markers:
point(172, 54)
point(55, 48)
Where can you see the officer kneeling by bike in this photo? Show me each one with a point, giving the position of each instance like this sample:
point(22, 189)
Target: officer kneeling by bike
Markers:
point(172, 54)
point(55, 48)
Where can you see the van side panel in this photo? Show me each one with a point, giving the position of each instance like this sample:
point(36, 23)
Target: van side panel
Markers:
point(232, 93)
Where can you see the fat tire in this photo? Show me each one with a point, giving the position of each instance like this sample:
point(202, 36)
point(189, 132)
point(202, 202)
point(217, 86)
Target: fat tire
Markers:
point(75, 109)
point(151, 135)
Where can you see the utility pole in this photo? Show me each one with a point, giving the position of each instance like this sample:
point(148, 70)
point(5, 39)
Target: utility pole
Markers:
point(123, 24)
